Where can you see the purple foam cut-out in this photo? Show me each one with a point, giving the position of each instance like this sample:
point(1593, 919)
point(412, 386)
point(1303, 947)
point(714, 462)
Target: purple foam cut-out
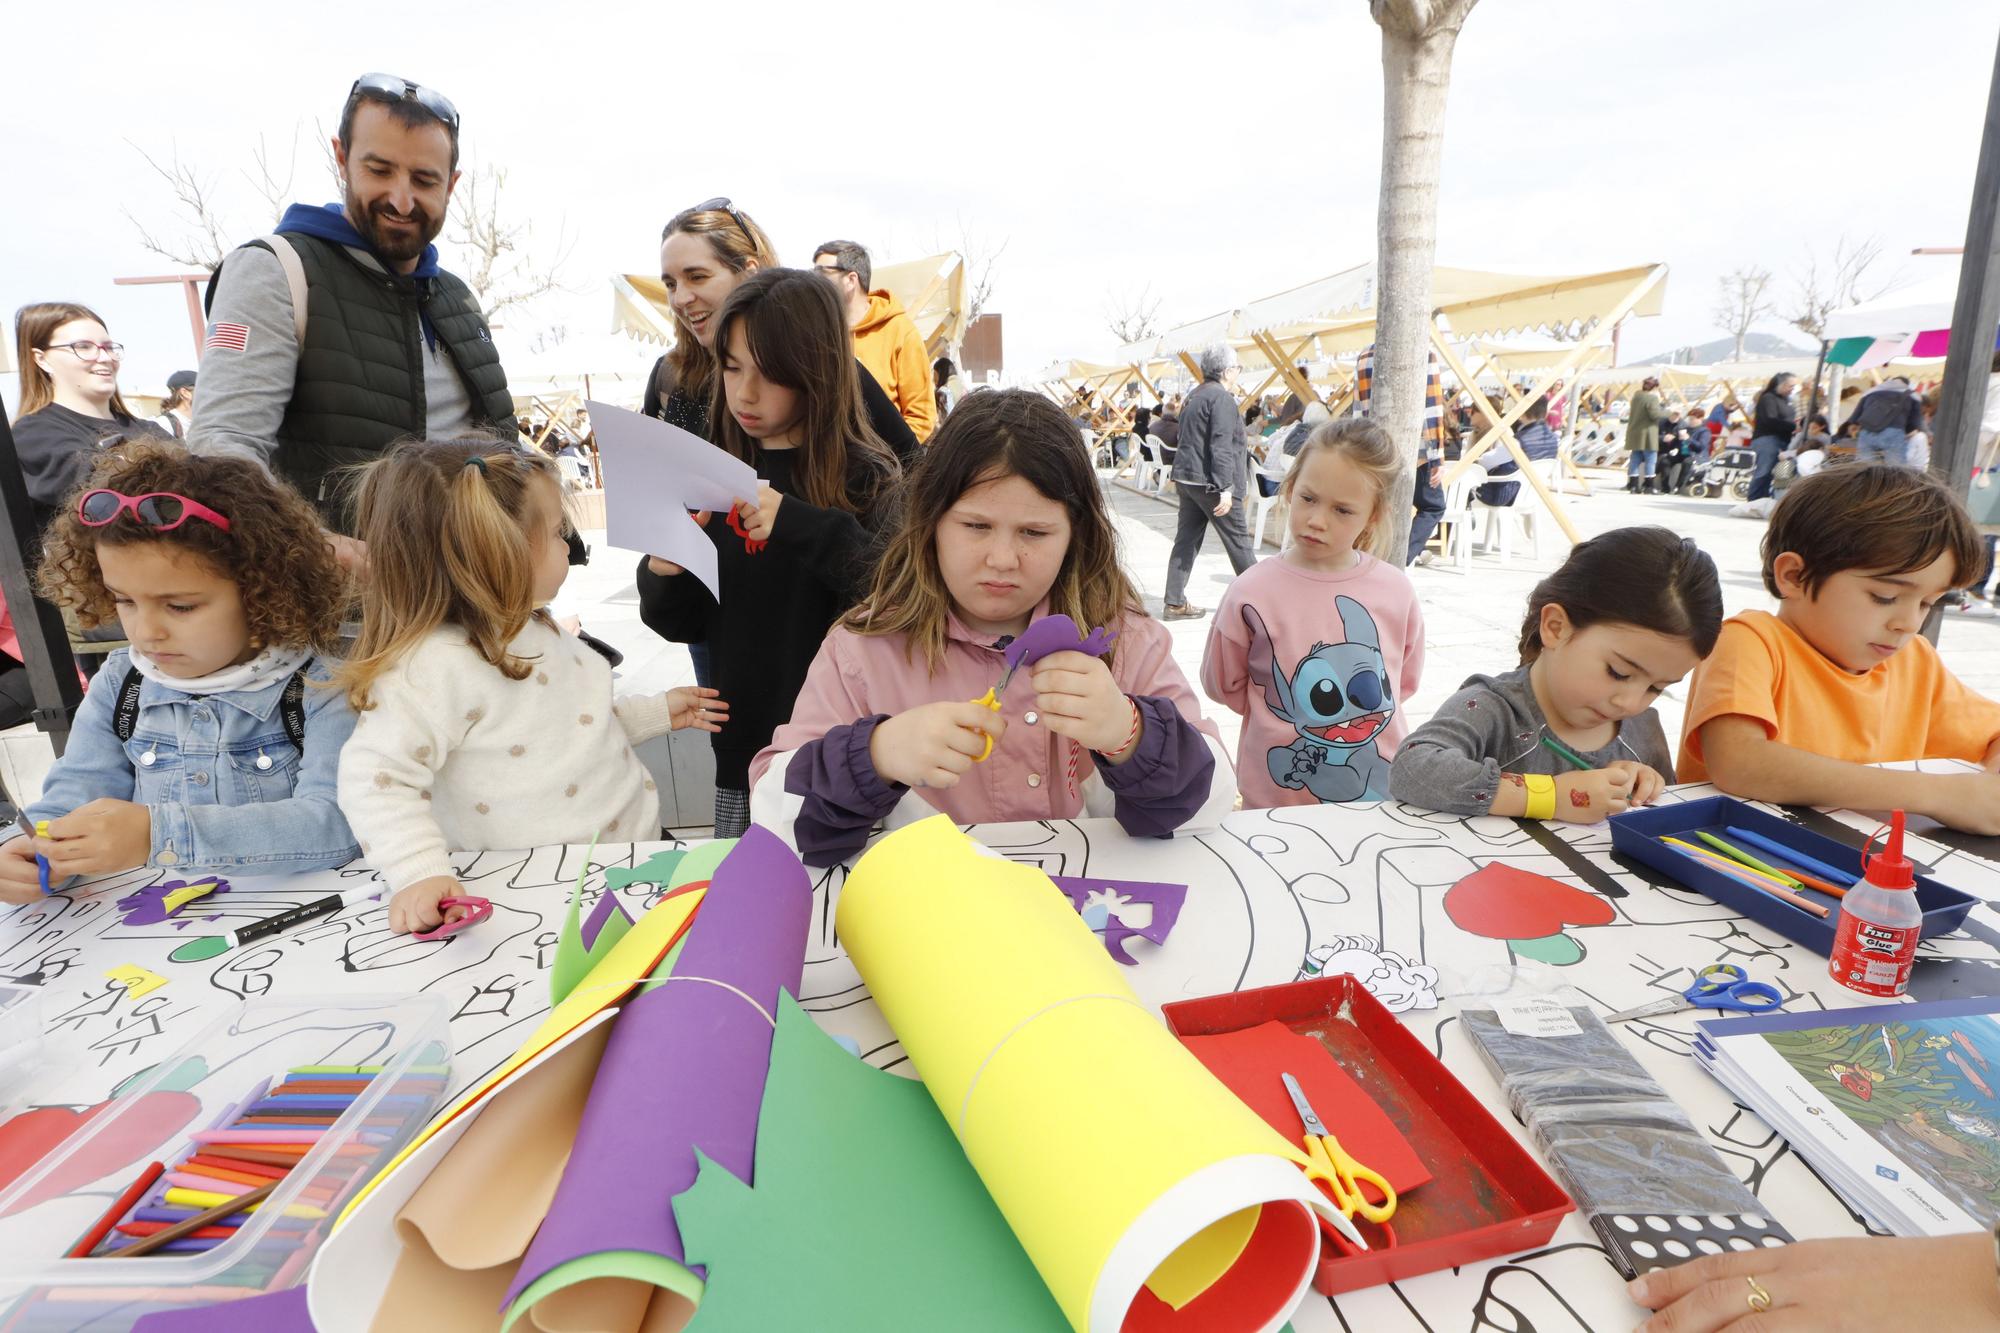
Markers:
point(1056, 634)
point(600, 915)
point(273, 1312)
point(1166, 901)
point(684, 1068)
point(148, 907)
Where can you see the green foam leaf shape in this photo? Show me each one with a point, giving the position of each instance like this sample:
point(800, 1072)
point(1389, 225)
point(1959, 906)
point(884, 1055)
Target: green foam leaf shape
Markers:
point(866, 1214)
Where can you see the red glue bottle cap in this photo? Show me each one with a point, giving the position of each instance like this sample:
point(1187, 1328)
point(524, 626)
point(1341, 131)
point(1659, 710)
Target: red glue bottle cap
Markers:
point(1889, 868)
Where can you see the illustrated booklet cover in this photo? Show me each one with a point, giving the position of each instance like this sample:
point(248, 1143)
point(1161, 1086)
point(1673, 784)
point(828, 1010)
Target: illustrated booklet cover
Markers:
point(1894, 1105)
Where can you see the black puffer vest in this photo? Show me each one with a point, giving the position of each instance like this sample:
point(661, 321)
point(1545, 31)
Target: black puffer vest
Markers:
point(360, 385)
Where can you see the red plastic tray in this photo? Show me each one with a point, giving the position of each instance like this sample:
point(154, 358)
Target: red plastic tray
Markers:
point(1488, 1196)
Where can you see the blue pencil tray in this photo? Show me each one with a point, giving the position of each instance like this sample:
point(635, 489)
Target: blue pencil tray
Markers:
point(1637, 833)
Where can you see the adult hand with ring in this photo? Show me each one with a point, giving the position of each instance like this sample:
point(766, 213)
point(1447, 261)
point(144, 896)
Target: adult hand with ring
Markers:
point(1825, 1286)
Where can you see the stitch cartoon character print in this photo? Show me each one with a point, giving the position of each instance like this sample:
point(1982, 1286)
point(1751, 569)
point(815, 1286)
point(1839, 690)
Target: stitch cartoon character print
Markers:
point(1338, 699)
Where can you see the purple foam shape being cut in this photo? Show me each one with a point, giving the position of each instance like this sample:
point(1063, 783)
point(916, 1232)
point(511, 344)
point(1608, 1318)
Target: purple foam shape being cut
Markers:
point(1166, 901)
point(1056, 634)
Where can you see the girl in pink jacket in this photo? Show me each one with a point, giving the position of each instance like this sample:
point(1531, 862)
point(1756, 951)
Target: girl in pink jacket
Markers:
point(1002, 523)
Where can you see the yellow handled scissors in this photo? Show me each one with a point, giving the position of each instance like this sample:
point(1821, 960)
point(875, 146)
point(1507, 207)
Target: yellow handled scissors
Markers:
point(991, 701)
point(1337, 1172)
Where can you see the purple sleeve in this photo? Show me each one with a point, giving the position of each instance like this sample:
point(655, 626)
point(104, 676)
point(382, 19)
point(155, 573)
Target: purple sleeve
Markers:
point(842, 797)
point(1166, 780)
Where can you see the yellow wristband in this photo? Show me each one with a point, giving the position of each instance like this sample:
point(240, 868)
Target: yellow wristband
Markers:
point(1541, 796)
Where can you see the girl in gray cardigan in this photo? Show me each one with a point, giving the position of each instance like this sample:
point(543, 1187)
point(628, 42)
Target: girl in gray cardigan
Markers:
point(1628, 614)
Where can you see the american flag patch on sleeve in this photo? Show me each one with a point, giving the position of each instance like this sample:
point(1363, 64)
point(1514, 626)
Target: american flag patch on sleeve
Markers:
point(235, 337)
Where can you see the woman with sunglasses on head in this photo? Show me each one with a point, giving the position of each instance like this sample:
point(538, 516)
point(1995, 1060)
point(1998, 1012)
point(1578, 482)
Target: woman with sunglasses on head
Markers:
point(209, 745)
point(69, 399)
point(705, 253)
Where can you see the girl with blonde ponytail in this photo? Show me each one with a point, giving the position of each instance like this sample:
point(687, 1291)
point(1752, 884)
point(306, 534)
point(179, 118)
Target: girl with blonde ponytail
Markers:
point(482, 724)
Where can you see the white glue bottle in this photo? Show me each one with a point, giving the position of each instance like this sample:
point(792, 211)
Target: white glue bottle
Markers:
point(1875, 942)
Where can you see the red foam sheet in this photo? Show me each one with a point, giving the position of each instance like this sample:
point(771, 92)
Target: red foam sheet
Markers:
point(1249, 1062)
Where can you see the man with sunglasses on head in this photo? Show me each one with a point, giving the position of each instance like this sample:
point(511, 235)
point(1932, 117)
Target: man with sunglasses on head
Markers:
point(389, 344)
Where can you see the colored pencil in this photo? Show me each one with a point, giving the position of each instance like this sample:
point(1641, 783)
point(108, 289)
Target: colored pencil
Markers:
point(234, 1167)
point(210, 1171)
point(1729, 863)
point(1563, 752)
point(236, 1202)
point(196, 1223)
point(301, 1137)
point(138, 1229)
point(1720, 864)
point(229, 1152)
point(123, 1205)
point(1744, 874)
point(1735, 853)
point(1800, 859)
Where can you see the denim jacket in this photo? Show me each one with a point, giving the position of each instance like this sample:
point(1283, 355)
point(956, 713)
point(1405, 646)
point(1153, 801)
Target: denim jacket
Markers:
point(192, 760)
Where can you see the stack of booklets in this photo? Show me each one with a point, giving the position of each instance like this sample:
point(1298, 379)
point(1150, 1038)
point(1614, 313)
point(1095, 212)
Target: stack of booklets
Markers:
point(1893, 1105)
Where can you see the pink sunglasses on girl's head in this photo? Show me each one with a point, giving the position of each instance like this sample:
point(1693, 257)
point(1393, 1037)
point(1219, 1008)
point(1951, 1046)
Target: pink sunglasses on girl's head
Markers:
point(162, 511)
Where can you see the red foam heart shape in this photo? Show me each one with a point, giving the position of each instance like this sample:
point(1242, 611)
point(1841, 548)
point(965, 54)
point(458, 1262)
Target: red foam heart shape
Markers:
point(1503, 902)
point(32, 1135)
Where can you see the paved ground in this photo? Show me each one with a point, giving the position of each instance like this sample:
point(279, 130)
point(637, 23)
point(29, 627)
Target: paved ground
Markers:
point(1473, 617)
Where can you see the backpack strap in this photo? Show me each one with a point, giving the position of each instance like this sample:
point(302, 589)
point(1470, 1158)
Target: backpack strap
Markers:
point(125, 716)
point(295, 279)
point(291, 707)
point(292, 710)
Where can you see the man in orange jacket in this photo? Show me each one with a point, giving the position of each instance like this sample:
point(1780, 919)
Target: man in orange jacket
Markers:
point(885, 339)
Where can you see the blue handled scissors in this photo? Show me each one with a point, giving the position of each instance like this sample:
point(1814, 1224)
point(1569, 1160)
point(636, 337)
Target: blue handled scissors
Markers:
point(1717, 986)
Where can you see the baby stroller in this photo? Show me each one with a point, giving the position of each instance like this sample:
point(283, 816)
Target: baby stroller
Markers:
point(1724, 473)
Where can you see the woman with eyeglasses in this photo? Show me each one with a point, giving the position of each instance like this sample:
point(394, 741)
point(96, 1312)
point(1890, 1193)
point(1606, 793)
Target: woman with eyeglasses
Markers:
point(69, 399)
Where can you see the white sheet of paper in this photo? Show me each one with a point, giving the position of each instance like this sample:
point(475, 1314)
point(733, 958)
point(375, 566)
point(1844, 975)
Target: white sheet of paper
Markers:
point(653, 474)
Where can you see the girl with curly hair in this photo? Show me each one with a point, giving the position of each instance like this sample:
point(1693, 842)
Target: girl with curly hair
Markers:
point(202, 747)
point(483, 725)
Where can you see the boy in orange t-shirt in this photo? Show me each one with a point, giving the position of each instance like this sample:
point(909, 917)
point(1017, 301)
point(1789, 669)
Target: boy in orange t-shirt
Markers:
point(1796, 707)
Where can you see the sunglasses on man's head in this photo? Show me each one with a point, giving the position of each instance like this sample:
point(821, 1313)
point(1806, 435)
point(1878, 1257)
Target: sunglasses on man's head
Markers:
point(400, 89)
point(162, 511)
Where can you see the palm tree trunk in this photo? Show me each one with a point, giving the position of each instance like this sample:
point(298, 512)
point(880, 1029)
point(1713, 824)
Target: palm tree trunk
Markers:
point(1417, 43)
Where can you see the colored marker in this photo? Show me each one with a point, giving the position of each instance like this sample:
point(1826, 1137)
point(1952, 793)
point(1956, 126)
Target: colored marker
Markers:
point(1563, 752)
point(1736, 853)
point(1744, 875)
point(42, 862)
point(1716, 861)
point(102, 1227)
point(303, 913)
point(1800, 859)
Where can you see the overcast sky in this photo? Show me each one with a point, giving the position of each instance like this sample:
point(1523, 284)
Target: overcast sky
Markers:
point(1217, 152)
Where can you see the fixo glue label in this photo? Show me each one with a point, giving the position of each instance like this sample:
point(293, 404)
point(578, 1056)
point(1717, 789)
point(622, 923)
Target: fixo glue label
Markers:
point(1875, 941)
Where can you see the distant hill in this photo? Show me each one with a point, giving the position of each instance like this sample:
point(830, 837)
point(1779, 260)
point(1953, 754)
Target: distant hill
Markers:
point(1756, 345)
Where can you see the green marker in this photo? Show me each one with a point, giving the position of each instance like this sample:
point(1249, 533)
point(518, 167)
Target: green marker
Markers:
point(1738, 854)
point(1561, 751)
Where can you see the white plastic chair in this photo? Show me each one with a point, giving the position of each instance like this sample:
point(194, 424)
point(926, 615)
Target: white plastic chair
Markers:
point(1456, 521)
point(1261, 505)
point(1525, 514)
point(1148, 472)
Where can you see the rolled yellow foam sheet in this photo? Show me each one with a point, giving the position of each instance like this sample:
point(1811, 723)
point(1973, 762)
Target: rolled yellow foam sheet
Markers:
point(1109, 1149)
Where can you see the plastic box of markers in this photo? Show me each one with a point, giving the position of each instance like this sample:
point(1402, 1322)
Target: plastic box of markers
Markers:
point(390, 1056)
point(1636, 834)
